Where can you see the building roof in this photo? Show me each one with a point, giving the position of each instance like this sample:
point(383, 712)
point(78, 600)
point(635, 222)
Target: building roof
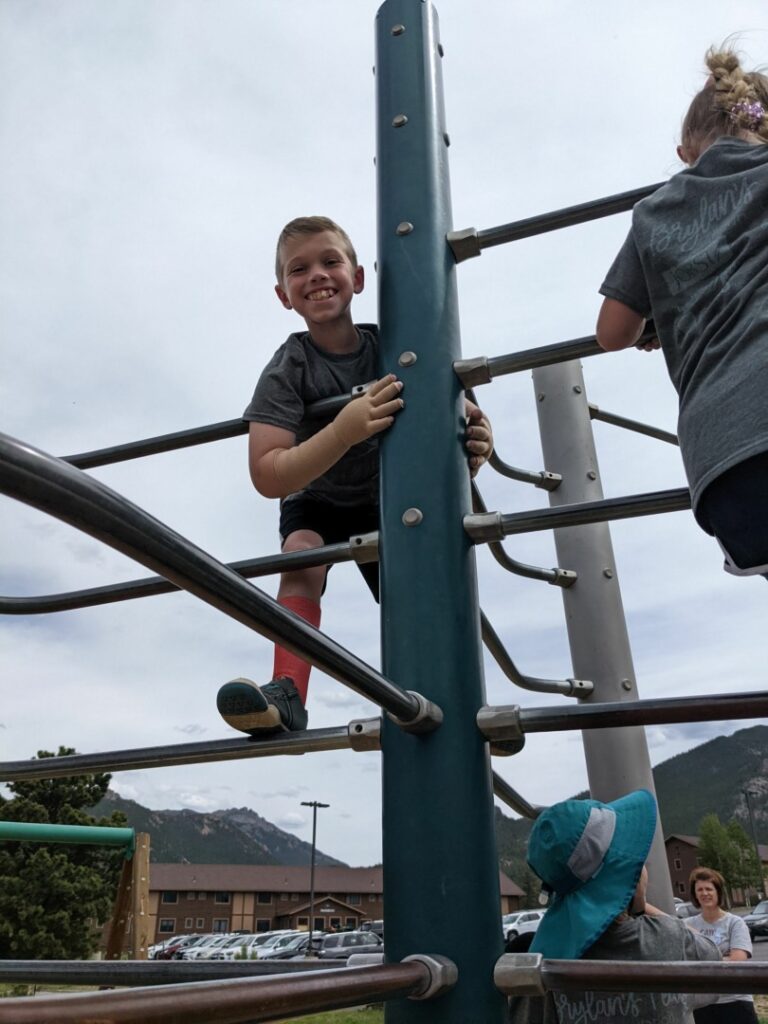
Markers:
point(690, 840)
point(276, 878)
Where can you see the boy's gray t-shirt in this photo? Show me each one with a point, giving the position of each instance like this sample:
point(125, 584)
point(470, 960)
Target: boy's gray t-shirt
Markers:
point(695, 260)
point(299, 374)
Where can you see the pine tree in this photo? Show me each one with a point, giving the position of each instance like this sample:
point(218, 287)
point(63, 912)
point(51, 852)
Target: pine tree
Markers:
point(52, 896)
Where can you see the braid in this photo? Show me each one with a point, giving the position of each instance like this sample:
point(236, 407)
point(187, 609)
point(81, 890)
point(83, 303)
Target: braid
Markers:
point(733, 102)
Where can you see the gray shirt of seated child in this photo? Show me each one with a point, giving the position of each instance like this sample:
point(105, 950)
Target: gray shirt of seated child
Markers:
point(695, 261)
point(298, 375)
point(636, 938)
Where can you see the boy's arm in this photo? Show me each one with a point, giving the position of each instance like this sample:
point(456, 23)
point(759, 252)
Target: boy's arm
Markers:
point(279, 466)
point(479, 436)
point(620, 327)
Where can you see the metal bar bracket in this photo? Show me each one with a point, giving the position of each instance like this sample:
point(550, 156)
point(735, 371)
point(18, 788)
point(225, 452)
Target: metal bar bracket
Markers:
point(429, 716)
point(443, 974)
point(364, 547)
point(473, 371)
point(519, 973)
point(365, 734)
point(464, 244)
point(484, 526)
point(501, 723)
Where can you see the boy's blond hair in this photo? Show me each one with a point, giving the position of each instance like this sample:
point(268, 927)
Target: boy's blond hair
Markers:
point(302, 226)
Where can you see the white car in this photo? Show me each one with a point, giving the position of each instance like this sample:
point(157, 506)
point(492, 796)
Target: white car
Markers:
point(276, 941)
point(204, 949)
point(233, 950)
point(521, 923)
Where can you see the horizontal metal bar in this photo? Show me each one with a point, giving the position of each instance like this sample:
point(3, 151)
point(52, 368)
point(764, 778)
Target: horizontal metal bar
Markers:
point(161, 443)
point(494, 526)
point(237, 1001)
point(150, 586)
point(482, 370)
point(468, 242)
point(567, 687)
point(77, 835)
point(515, 974)
point(506, 722)
point(511, 798)
point(596, 413)
point(359, 734)
point(145, 972)
point(59, 489)
point(195, 435)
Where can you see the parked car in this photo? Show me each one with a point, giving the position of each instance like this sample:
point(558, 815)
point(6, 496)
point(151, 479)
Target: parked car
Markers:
point(757, 920)
point(172, 949)
point(684, 910)
point(277, 940)
point(373, 926)
point(202, 950)
point(341, 945)
point(525, 921)
point(294, 946)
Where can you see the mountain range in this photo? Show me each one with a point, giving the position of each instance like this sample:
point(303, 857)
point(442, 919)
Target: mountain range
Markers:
point(712, 777)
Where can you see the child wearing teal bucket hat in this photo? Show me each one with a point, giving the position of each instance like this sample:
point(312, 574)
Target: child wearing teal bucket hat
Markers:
point(590, 857)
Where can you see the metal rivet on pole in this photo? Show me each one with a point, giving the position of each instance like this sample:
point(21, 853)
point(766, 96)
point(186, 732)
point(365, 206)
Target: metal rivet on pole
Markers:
point(407, 358)
point(412, 516)
point(404, 228)
point(397, 30)
point(399, 120)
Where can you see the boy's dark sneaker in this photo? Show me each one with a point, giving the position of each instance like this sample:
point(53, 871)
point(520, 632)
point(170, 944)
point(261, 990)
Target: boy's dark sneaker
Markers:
point(258, 709)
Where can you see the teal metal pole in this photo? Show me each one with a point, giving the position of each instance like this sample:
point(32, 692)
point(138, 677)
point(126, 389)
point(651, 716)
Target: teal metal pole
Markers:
point(93, 835)
point(441, 880)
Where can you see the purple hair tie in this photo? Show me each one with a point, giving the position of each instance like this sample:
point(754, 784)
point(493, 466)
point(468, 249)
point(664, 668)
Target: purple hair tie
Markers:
point(749, 114)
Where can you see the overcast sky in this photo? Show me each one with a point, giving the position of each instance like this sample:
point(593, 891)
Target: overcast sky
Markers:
point(151, 152)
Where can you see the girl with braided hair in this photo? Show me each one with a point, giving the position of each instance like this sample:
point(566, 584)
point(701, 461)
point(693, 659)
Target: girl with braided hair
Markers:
point(696, 261)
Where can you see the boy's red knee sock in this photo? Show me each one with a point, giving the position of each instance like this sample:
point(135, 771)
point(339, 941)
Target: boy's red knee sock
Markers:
point(286, 663)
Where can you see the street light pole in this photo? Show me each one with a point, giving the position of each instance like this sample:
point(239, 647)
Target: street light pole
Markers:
point(314, 804)
point(748, 793)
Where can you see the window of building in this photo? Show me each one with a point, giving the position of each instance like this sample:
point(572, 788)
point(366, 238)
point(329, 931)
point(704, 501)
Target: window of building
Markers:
point(263, 897)
point(221, 897)
point(294, 897)
point(169, 897)
point(191, 895)
point(284, 896)
point(200, 922)
point(319, 924)
point(678, 864)
point(167, 925)
point(353, 898)
point(187, 922)
point(221, 924)
point(263, 924)
point(335, 922)
point(351, 922)
point(681, 888)
point(202, 895)
point(371, 897)
point(302, 922)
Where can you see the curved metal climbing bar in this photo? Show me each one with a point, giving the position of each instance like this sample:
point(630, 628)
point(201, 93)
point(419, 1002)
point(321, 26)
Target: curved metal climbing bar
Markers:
point(53, 486)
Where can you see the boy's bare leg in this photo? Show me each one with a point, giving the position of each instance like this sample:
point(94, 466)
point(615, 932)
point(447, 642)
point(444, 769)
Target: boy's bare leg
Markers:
point(256, 709)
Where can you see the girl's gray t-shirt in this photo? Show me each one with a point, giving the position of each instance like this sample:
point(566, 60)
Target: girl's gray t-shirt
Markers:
point(299, 374)
point(695, 261)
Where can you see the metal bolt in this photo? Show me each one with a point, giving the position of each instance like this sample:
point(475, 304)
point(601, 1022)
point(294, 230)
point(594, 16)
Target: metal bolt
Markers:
point(397, 30)
point(591, 475)
point(608, 573)
point(399, 121)
point(407, 358)
point(404, 228)
point(577, 389)
point(540, 396)
point(446, 138)
point(440, 49)
point(626, 684)
point(412, 516)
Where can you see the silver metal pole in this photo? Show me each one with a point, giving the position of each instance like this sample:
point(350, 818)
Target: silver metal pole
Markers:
point(617, 759)
point(314, 804)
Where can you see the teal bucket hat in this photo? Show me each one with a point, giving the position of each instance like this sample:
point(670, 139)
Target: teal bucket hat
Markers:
point(589, 856)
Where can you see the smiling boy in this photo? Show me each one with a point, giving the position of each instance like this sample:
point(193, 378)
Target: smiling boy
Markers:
point(324, 471)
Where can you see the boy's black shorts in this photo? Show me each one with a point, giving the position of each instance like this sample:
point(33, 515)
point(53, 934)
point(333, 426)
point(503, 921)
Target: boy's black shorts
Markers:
point(335, 524)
